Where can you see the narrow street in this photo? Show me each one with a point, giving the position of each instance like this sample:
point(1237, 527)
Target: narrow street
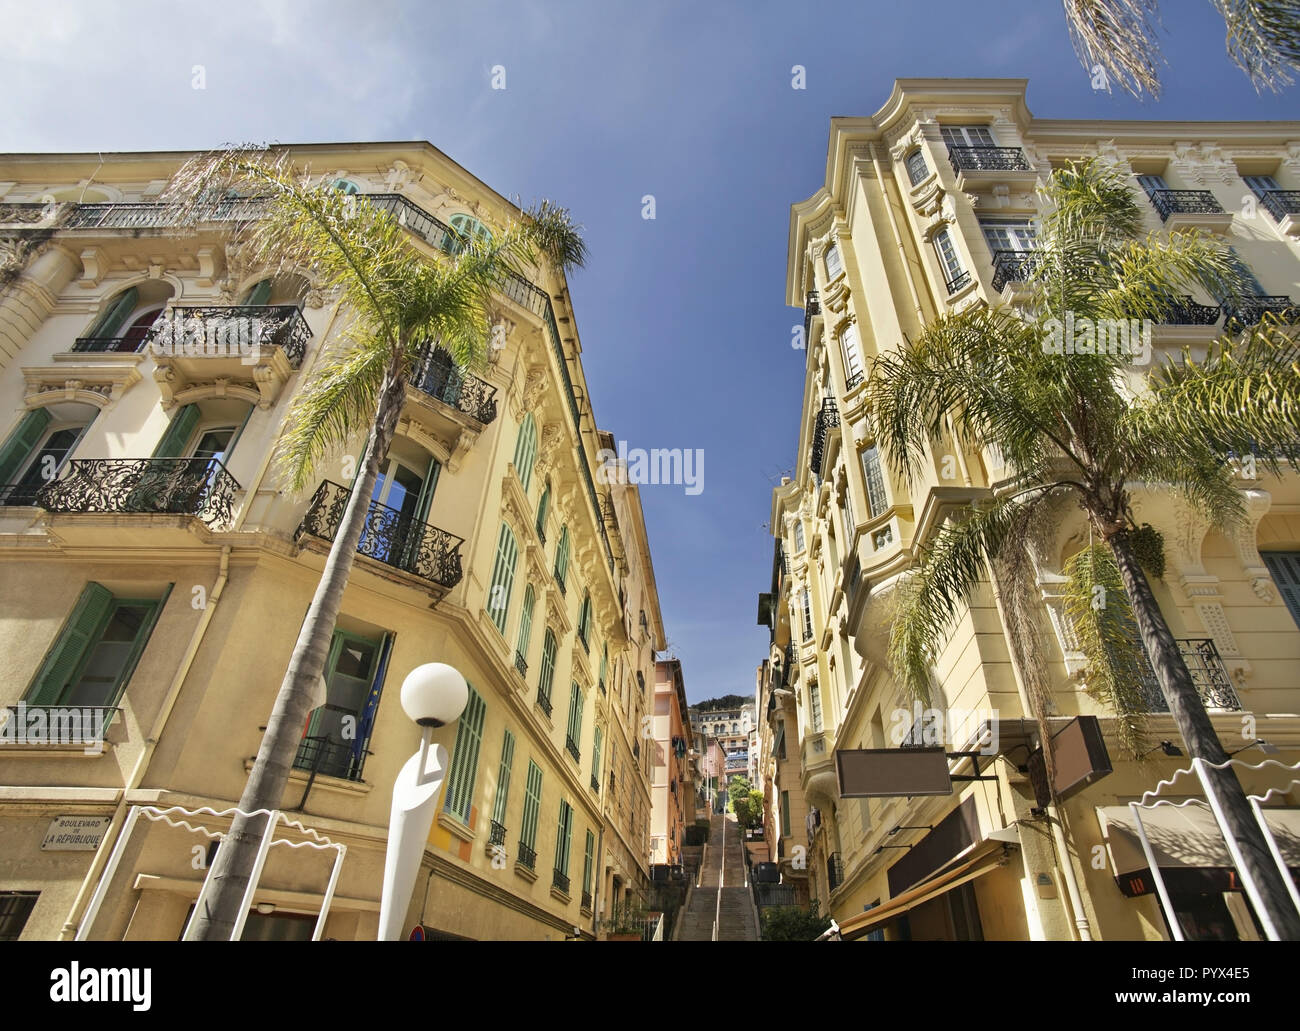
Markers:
point(721, 907)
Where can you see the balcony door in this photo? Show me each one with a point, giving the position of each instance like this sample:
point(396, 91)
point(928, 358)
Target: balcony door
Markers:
point(334, 740)
point(35, 453)
point(399, 507)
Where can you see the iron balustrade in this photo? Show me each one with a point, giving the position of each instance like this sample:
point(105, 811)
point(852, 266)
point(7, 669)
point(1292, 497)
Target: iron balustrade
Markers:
point(107, 345)
point(601, 685)
point(159, 215)
point(223, 330)
point(560, 880)
point(496, 834)
point(1184, 202)
point(1011, 266)
point(853, 381)
point(834, 870)
point(769, 895)
point(527, 857)
point(520, 664)
point(827, 419)
point(595, 784)
point(1183, 311)
point(178, 486)
point(392, 537)
point(571, 747)
point(958, 282)
point(1247, 311)
point(436, 374)
point(811, 306)
point(559, 582)
point(320, 755)
point(988, 159)
point(586, 900)
point(1280, 203)
point(544, 702)
point(415, 219)
point(1209, 674)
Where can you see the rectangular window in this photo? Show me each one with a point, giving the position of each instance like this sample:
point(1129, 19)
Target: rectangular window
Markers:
point(1285, 569)
point(850, 523)
point(798, 536)
point(532, 806)
point(851, 351)
point(1009, 235)
point(785, 814)
point(464, 759)
point(1261, 185)
point(955, 276)
point(967, 136)
point(1152, 184)
point(815, 706)
point(563, 840)
point(595, 756)
point(503, 577)
point(503, 779)
point(15, 908)
point(574, 739)
point(834, 265)
point(877, 502)
point(807, 616)
point(93, 657)
point(588, 866)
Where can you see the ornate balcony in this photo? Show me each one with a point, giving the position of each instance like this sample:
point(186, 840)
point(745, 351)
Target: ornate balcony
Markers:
point(1183, 311)
point(198, 487)
point(155, 215)
point(1013, 267)
point(560, 880)
point(1247, 311)
point(571, 747)
point(520, 664)
point(988, 159)
point(527, 857)
point(437, 375)
point(1284, 206)
point(1209, 674)
point(544, 702)
point(958, 282)
point(827, 419)
point(1190, 208)
point(390, 537)
point(497, 834)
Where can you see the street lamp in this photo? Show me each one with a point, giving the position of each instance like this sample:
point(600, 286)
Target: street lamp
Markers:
point(433, 695)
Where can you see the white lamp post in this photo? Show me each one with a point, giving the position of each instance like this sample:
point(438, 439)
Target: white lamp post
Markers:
point(433, 695)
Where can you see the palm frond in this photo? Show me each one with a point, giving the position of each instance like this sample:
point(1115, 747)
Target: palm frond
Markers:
point(1120, 36)
point(1263, 39)
point(1098, 611)
point(552, 230)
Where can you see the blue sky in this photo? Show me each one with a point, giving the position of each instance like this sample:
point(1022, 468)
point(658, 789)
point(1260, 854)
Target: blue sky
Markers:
point(683, 317)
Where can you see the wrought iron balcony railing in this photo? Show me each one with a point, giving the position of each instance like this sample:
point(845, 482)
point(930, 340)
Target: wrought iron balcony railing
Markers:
point(179, 486)
point(811, 306)
point(415, 219)
point(527, 857)
point(834, 870)
point(827, 419)
point(853, 381)
point(229, 330)
point(988, 159)
point(586, 900)
point(437, 375)
point(108, 345)
point(1185, 202)
point(1247, 311)
point(156, 215)
point(571, 747)
point(601, 685)
point(559, 581)
point(1011, 266)
point(1280, 203)
point(544, 702)
point(957, 282)
point(595, 784)
point(1183, 311)
point(390, 536)
point(1209, 674)
point(496, 834)
point(560, 880)
point(520, 664)
point(320, 755)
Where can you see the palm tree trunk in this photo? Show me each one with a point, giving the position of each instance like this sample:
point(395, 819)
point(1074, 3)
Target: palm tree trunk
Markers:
point(1198, 734)
point(219, 907)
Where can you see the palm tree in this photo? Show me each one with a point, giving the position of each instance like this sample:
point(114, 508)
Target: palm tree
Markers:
point(399, 301)
point(1263, 40)
point(1068, 427)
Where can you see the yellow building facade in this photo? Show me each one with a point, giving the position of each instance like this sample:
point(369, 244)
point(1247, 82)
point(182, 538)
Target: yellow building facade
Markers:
point(929, 206)
point(156, 573)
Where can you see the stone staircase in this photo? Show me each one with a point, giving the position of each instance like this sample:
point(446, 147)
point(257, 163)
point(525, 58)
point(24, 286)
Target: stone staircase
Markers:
point(721, 897)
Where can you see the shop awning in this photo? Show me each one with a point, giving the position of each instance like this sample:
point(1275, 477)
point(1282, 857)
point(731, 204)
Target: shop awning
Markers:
point(1185, 837)
point(987, 856)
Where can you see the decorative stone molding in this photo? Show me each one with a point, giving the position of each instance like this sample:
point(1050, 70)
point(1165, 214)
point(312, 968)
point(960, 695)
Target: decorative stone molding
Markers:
point(94, 266)
point(548, 445)
point(464, 443)
point(1257, 503)
point(86, 380)
point(527, 397)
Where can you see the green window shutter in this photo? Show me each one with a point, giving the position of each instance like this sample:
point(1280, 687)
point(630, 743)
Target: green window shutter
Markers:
point(21, 443)
point(542, 506)
point(525, 623)
point(70, 647)
point(588, 861)
point(604, 665)
point(562, 556)
point(178, 433)
point(1285, 569)
point(532, 804)
point(595, 756)
point(503, 577)
point(526, 450)
point(464, 759)
point(259, 293)
point(548, 666)
point(785, 814)
point(503, 779)
point(575, 713)
point(110, 323)
point(563, 838)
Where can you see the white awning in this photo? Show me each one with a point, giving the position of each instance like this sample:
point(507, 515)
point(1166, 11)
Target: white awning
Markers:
point(1187, 836)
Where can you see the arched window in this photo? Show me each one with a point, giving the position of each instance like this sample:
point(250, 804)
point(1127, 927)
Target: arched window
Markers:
point(834, 264)
point(346, 186)
point(503, 577)
point(121, 327)
point(916, 167)
point(525, 629)
point(542, 506)
point(526, 450)
point(464, 229)
point(562, 558)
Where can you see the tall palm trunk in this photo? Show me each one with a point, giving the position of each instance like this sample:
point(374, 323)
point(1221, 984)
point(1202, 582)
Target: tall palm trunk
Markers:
point(1202, 742)
point(219, 907)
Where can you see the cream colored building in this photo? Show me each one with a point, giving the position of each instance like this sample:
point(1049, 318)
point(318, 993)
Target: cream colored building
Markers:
point(928, 206)
point(154, 570)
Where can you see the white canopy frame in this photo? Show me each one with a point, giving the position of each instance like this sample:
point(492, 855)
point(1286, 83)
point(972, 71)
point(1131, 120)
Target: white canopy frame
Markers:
point(164, 815)
point(1151, 799)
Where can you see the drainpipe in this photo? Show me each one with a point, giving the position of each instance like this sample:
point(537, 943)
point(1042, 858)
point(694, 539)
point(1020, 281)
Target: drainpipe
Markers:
point(136, 778)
